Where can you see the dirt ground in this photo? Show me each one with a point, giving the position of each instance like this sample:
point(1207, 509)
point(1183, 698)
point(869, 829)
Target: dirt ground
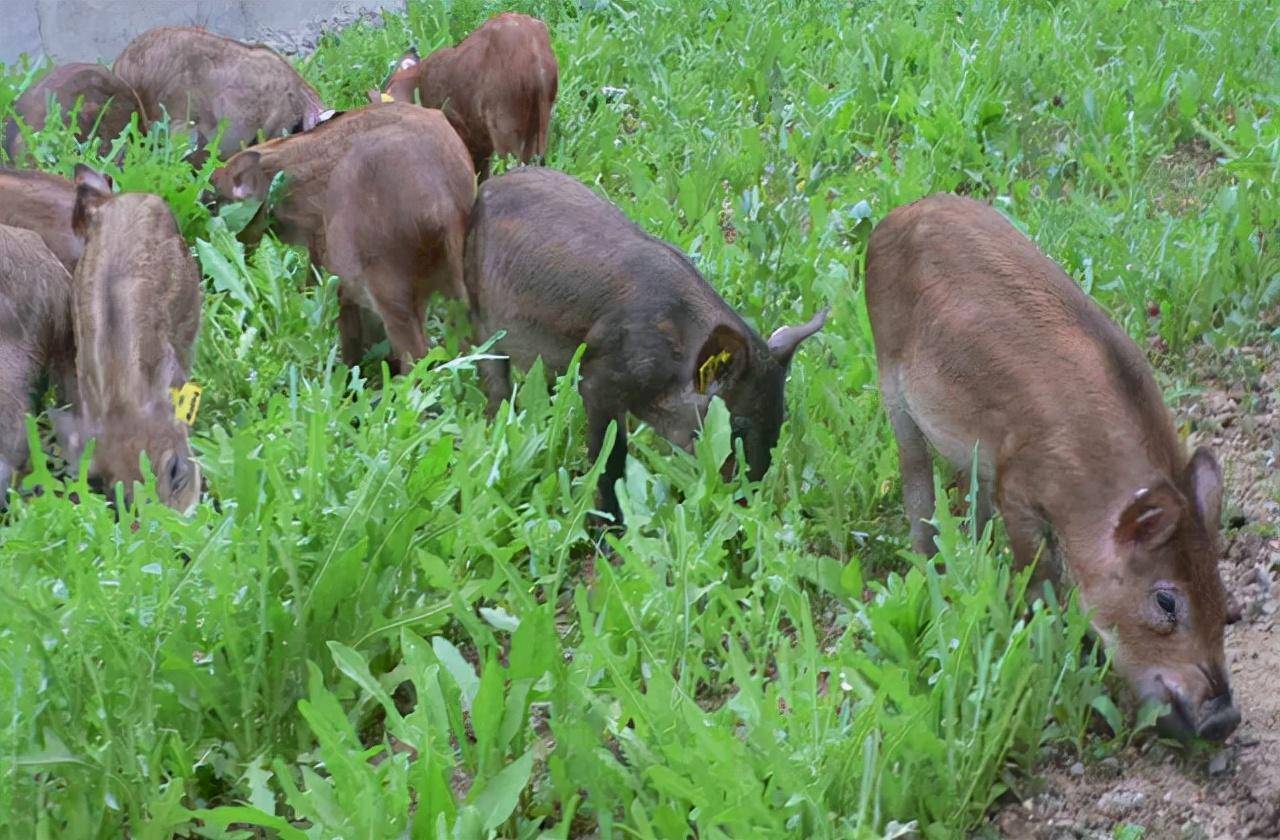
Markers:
point(1233, 791)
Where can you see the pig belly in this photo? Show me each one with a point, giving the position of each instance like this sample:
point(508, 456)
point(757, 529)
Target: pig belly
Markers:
point(524, 343)
point(944, 424)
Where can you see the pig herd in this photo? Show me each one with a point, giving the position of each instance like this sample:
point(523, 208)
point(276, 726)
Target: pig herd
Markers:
point(988, 353)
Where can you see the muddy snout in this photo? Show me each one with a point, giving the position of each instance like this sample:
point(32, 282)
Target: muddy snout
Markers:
point(1212, 719)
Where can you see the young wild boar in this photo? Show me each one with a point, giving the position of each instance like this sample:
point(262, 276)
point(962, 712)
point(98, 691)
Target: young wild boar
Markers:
point(204, 79)
point(41, 202)
point(136, 301)
point(496, 87)
point(107, 103)
point(556, 266)
point(380, 196)
point(35, 338)
point(981, 339)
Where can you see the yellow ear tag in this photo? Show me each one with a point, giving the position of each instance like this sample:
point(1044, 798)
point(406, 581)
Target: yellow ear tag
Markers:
point(710, 369)
point(386, 97)
point(186, 402)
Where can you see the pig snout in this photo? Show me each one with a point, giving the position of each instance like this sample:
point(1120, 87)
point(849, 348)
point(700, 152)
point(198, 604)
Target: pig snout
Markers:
point(1194, 711)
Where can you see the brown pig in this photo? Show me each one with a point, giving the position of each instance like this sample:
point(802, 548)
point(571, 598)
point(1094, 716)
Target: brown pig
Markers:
point(204, 79)
point(982, 340)
point(496, 87)
point(555, 266)
point(136, 304)
point(380, 196)
point(42, 202)
point(35, 338)
point(107, 104)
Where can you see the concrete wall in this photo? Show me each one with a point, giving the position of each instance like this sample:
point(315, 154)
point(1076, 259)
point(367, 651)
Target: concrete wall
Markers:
point(93, 30)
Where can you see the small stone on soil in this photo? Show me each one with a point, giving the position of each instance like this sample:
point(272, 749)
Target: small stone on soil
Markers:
point(1119, 803)
point(1109, 767)
point(1220, 762)
point(1194, 831)
point(1077, 769)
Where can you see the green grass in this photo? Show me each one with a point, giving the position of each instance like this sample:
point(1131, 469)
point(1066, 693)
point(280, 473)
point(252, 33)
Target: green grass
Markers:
point(779, 668)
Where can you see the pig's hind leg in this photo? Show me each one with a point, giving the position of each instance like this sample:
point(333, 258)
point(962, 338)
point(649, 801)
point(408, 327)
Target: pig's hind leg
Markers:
point(350, 329)
point(495, 378)
point(401, 311)
point(601, 410)
point(13, 442)
point(916, 464)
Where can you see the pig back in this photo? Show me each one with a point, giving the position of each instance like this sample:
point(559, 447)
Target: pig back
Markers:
point(42, 203)
point(989, 339)
point(107, 102)
point(547, 259)
point(399, 193)
point(309, 159)
point(136, 293)
point(495, 86)
point(205, 79)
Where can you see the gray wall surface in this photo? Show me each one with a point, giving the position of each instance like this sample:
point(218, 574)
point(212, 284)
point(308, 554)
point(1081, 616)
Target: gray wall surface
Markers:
point(96, 30)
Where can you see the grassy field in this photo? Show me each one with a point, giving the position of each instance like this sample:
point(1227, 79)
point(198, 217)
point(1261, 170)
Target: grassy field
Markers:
point(780, 668)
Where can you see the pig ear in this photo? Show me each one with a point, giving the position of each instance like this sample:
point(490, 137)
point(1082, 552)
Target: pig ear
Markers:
point(1151, 518)
point(721, 361)
point(375, 96)
point(181, 471)
point(785, 340)
point(86, 176)
point(92, 189)
point(245, 170)
point(1204, 476)
point(169, 373)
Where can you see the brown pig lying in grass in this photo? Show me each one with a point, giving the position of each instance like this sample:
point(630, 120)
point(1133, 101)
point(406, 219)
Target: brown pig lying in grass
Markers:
point(136, 304)
point(380, 196)
point(35, 338)
point(555, 266)
point(203, 79)
point(43, 203)
point(981, 339)
point(496, 87)
point(106, 102)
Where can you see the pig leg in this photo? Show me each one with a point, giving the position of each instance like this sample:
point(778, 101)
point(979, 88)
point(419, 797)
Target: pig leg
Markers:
point(402, 316)
point(597, 426)
point(981, 508)
point(917, 477)
point(13, 445)
point(350, 334)
point(1026, 530)
point(495, 378)
point(599, 398)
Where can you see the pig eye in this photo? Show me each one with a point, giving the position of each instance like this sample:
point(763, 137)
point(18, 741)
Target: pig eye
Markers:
point(1164, 608)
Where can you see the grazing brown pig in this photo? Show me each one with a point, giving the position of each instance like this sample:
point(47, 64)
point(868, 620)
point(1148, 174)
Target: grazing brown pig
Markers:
point(136, 301)
point(981, 339)
point(107, 103)
point(35, 338)
point(496, 87)
point(204, 79)
point(556, 266)
point(380, 196)
point(42, 202)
